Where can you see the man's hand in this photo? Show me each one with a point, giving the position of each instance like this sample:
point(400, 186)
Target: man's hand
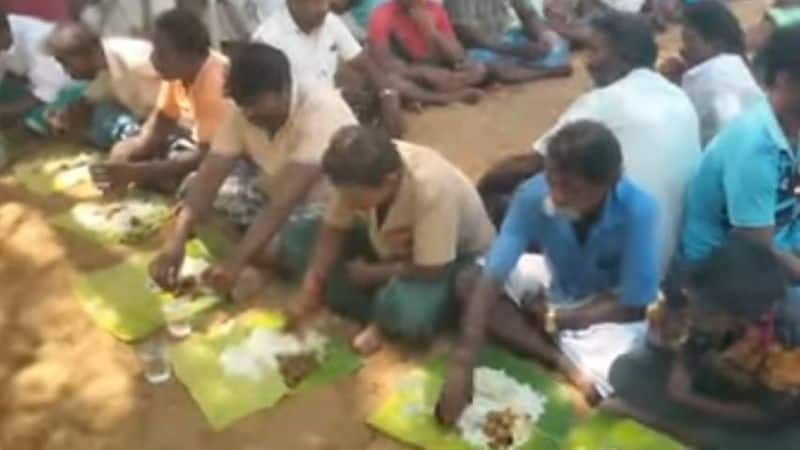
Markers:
point(419, 15)
point(165, 269)
point(399, 240)
point(114, 176)
point(680, 382)
point(673, 69)
point(456, 394)
point(303, 310)
point(359, 273)
point(223, 277)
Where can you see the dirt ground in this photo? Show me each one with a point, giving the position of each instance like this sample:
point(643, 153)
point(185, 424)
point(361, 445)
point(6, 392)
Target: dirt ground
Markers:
point(66, 385)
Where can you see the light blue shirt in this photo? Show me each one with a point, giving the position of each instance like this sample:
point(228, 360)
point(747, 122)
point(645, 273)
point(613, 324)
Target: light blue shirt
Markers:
point(745, 180)
point(620, 253)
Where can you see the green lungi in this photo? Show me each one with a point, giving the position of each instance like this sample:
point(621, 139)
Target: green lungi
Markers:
point(412, 310)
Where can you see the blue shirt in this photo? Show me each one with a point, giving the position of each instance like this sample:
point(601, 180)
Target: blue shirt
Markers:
point(745, 180)
point(620, 253)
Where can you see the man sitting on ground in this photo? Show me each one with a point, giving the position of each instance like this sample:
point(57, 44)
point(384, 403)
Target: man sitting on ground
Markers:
point(191, 96)
point(285, 127)
point(731, 380)
point(414, 39)
point(746, 183)
point(402, 222)
point(713, 66)
point(653, 119)
point(123, 85)
point(315, 40)
point(580, 304)
point(510, 37)
point(31, 79)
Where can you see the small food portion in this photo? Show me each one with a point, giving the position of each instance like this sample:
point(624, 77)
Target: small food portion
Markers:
point(127, 221)
point(69, 172)
point(503, 413)
point(295, 368)
point(270, 350)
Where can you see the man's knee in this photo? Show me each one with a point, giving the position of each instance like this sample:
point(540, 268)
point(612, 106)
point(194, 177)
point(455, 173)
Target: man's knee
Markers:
point(412, 311)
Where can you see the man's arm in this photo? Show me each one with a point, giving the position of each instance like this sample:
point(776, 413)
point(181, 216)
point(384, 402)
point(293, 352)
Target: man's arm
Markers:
point(446, 45)
point(387, 92)
point(765, 236)
point(202, 192)
point(296, 181)
point(531, 22)
point(150, 141)
point(739, 413)
point(605, 310)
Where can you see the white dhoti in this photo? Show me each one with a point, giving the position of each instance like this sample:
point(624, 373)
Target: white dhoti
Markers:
point(592, 350)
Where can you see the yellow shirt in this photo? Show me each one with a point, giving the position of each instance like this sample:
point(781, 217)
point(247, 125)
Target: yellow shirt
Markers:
point(316, 114)
point(202, 106)
point(436, 204)
point(130, 79)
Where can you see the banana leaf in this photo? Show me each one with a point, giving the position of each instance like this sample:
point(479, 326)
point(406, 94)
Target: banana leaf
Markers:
point(225, 399)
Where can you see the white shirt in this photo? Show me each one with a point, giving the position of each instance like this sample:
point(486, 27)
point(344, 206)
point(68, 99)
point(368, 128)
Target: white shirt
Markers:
point(315, 56)
point(27, 58)
point(721, 88)
point(659, 133)
point(123, 17)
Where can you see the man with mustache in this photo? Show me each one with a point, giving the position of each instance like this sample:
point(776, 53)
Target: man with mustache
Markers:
point(580, 303)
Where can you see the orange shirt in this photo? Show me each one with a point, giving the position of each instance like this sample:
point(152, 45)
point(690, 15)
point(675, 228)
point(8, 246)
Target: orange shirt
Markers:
point(202, 106)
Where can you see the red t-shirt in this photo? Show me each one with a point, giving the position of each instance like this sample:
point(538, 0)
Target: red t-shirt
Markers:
point(390, 21)
point(52, 10)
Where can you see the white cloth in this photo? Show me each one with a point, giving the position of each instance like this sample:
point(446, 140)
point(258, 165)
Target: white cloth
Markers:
point(721, 89)
point(657, 127)
point(123, 17)
point(592, 350)
point(27, 57)
point(625, 6)
point(315, 56)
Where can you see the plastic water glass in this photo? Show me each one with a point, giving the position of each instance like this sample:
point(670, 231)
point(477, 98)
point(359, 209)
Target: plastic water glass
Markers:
point(176, 313)
point(153, 354)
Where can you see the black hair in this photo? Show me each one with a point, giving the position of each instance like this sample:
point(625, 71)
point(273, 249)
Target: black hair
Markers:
point(257, 68)
point(742, 277)
point(780, 54)
point(4, 23)
point(361, 156)
point(71, 37)
point(186, 32)
point(588, 149)
point(715, 22)
point(631, 36)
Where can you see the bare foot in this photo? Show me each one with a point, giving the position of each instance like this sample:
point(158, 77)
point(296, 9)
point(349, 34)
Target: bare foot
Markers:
point(470, 96)
point(369, 340)
point(251, 282)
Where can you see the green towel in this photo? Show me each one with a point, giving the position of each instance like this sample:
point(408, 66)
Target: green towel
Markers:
point(148, 227)
point(407, 415)
point(784, 17)
point(225, 399)
point(120, 300)
point(605, 432)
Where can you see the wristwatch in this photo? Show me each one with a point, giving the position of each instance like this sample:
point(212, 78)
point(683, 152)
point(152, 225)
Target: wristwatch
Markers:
point(550, 323)
point(388, 92)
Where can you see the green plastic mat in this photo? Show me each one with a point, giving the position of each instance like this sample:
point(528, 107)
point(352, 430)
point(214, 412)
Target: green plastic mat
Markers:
point(147, 227)
point(407, 415)
point(120, 300)
point(224, 399)
point(606, 432)
point(60, 170)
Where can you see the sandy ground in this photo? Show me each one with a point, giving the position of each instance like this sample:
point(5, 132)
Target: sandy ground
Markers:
point(66, 385)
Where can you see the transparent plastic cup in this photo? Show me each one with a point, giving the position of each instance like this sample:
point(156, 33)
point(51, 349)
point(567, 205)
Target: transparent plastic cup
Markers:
point(177, 315)
point(153, 354)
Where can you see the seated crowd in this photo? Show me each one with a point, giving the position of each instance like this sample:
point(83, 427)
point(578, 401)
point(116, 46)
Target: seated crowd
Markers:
point(647, 246)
